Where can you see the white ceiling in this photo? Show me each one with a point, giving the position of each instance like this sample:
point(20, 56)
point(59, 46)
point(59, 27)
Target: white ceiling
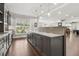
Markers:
point(32, 9)
point(56, 11)
point(68, 11)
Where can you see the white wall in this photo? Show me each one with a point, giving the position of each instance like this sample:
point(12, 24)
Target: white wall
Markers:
point(75, 26)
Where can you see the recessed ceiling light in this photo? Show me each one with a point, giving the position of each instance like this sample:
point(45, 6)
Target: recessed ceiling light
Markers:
point(48, 14)
point(59, 12)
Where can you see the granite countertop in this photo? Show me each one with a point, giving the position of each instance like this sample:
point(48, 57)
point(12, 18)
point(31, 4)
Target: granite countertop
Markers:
point(4, 34)
point(48, 34)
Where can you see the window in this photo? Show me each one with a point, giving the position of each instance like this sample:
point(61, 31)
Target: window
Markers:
point(22, 27)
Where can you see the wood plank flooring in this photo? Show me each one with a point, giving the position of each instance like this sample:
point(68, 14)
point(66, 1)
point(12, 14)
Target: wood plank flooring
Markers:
point(20, 47)
point(72, 45)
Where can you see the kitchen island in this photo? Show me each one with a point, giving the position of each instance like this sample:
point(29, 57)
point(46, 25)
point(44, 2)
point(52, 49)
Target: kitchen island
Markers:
point(48, 43)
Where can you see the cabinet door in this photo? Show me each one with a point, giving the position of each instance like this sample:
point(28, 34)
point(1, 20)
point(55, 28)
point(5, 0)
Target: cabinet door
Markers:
point(39, 42)
point(5, 46)
point(57, 46)
point(7, 41)
point(2, 46)
point(1, 43)
point(46, 45)
point(31, 38)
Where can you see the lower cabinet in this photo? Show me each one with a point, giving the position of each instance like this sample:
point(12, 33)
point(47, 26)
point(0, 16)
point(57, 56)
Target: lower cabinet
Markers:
point(5, 42)
point(1, 47)
point(46, 45)
point(49, 46)
point(57, 46)
point(39, 42)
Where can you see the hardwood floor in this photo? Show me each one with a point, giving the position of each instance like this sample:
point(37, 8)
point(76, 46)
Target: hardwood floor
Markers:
point(20, 47)
point(72, 45)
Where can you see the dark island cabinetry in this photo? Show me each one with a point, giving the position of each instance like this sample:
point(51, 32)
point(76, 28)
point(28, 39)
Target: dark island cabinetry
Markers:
point(51, 45)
